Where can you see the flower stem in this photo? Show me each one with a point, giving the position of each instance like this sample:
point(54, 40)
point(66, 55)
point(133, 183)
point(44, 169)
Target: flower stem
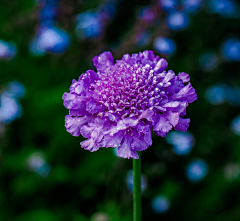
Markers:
point(137, 201)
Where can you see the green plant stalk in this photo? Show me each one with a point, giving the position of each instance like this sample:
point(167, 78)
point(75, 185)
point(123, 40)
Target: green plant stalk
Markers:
point(137, 198)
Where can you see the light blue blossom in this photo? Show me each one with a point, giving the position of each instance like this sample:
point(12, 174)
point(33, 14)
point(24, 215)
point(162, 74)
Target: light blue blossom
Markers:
point(182, 142)
point(197, 170)
point(165, 46)
point(177, 21)
point(160, 204)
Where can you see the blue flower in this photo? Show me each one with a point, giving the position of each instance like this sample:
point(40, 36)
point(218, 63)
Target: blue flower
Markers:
point(197, 170)
point(177, 21)
point(8, 50)
point(235, 125)
point(16, 89)
point(182, 142)
point(165, 46)
point(231, 49)
point(216, 94)
point(168, 5)
point(89, 25)
point(160, 204)
point(225, 8)
point(38, 164)
point(10, 109)
point(192, 6)
point(49, 39)
point(47, 13)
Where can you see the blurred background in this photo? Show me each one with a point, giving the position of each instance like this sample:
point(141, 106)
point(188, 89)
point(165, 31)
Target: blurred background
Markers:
point(46, 176)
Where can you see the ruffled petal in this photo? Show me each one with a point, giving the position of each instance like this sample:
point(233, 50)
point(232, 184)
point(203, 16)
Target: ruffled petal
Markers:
point(182, 125)
point(93, 106)
point(78, 87)
point(184, 77)
point(161, 134)
point(146, 114)
point(169, 76)
point(161, 65)
point(92, 76)
point(90, 145)
point(86, 131)
point(171, 105)
point(139, 144)
point(113, 117)
point(77, 104)
point(173, 117)
point(103, 61)
point(162, 125)
point(146, 131)
point(185, 94)
point(112, 141)
point(124, 150)
point(149, 55)
point(74, 124)
point(68, 100)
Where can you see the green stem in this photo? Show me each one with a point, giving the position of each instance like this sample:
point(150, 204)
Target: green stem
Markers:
point(137, 201)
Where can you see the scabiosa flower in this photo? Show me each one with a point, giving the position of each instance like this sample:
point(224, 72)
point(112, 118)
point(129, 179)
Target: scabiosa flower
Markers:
point(119, 104)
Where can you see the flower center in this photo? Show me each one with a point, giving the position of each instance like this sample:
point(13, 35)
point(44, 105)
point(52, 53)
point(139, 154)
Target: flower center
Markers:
point(128, 90)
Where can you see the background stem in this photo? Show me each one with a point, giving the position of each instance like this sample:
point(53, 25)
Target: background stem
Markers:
point(137, 201)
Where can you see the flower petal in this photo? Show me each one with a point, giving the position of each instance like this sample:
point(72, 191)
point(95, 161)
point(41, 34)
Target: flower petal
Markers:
point(182, 125)
point(74, 124)
point(169, 76)
point(124, 150)
point(161, 65)
point(68, 99)
point(89, 145)
point(173, 117)
point(146, 130)
point(78, 87)
point(139, 144)
point(184, 77)
point(162, 125)
point(86, 131)
point(185, 94)
point(103, 61)
point(146, 114)
point(149, 55)
point(94, 107)
point(112, 141)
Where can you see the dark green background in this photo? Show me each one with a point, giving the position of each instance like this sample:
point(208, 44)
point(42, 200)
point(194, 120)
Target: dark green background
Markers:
point(82, 183)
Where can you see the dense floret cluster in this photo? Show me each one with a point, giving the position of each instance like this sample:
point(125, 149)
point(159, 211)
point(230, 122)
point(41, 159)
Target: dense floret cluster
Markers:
point(119, 104)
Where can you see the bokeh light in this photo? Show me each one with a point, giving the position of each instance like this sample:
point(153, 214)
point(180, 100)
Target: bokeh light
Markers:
point(231, 171)
point(49, 40)
point(160, 204)
point(225, 8)
point(37, 163)
point(231, 49)
point(192, 6)
point(177, 20)
point(235, 125)
point(182, 142)
point(216, 94)
point(89, 25)
point(165, 46)
point(8, 50)
point(197, 170)
point(168, 5)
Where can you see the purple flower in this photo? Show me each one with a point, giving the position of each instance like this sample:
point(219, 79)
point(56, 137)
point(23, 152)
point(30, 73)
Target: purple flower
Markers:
point(119, 104)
